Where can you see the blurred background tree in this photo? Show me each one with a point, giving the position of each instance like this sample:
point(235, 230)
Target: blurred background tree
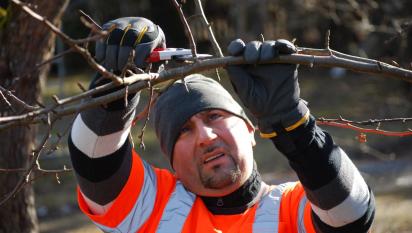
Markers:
point(23, 44)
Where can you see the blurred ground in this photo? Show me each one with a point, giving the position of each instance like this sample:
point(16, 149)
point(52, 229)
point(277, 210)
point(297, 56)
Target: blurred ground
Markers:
point(383, 160)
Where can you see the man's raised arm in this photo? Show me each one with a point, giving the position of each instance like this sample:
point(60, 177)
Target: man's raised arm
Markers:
point(339, 197)
point(100, 149)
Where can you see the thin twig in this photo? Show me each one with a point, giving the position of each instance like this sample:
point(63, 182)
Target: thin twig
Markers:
point(60, 136)
point(89, 39)
point(9, 170)
point(208, 26)
point(45, 171)
point(152, 99)
point(366, 130)
point(366, 122)
point(57, 56)
point(327, 40)
point(17, 100)
point(7, 102)
point(218, 75)
point(144, 113)
point(72, 43)
point(81, 87)
point(186, 27)
point(89, 22)
point(25, 177)
point(30, 116)
point(55, 170)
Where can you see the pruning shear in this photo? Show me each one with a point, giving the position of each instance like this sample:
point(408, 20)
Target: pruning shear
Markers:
point(179, 54)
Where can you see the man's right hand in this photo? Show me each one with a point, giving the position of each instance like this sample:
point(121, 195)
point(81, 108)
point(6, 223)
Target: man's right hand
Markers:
point(129, 33)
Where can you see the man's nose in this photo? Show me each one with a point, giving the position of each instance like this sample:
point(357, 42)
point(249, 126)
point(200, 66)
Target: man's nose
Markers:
point(206, 135)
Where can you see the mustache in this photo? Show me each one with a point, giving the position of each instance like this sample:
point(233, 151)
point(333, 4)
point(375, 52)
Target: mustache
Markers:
point(212, 147)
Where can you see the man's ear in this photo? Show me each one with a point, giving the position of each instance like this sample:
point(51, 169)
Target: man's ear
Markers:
point(172, 168)
point(251, 130)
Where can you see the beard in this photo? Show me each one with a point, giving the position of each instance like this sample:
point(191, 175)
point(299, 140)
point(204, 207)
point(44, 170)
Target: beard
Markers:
point(221, 175)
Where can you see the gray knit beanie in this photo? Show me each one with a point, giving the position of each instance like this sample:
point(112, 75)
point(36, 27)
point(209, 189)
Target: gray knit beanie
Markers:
point(177, 104)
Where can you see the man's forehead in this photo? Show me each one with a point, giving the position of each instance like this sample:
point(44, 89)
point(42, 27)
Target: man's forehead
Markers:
point(206, 112)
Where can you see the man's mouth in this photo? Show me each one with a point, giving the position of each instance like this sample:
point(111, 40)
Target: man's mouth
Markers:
point(214, 157)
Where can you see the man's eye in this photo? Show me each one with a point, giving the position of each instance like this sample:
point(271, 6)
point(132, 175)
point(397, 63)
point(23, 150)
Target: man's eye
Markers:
point(214, 116)
point(184, 129)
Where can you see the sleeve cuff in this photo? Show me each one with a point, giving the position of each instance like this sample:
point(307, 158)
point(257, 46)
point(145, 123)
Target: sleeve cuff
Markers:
point(295, 125)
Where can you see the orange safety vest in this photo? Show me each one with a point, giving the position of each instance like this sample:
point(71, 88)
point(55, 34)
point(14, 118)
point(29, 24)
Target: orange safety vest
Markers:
point(153, 200)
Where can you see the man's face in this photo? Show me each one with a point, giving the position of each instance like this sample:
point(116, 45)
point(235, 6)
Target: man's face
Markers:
point(213, 154)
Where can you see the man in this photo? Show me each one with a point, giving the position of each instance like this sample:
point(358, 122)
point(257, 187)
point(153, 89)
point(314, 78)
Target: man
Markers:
point(215, 185)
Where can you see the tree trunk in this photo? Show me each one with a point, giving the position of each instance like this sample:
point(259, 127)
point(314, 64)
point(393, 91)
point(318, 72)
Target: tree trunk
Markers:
point(24, 43)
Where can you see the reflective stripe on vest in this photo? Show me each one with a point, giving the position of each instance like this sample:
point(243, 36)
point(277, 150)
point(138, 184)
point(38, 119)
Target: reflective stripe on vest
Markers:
point(143, 206)
point(176, 210)
point(266, 217)
point(267, 212)
point(301, 215)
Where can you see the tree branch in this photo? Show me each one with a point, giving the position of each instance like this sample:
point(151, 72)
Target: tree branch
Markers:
point(186, 27)
point(72, 43)
point(17, 100)
point(7, 102)
point(89, 22)
point(36, 154)
point(366, 130)
point(367, 122)
point(208, 27)
point(152, 99)
point(343, 61)
point(305, 56)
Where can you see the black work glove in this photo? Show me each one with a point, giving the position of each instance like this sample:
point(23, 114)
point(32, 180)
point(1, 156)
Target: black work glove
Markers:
point(130, 33)
point(269, 91)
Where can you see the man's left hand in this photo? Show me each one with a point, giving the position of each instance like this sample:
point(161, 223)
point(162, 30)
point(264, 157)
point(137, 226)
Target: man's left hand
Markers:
point(270, 91)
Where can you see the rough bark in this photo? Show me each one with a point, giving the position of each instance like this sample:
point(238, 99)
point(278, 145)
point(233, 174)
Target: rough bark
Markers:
point(24, 43)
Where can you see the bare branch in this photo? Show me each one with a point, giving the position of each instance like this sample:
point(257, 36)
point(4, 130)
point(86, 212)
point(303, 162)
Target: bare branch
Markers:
point(367, 122)
point(7, 102)
point(25, 177)
point(46, 171)
point(81, 87)
point(57, 56)
point(88, 39)
point(366, 130)
point(17, 100)
point(42, 171)
point(37, 113)
point(327, 39)
point(186, 26)
point(366, 66)
point(8, 170)
point(311, 57)
point(152, 99)
point(38, 65)
point(89, 22)
point(60, 110)
point(355, 125)
point(72, 43)
point(206, 24)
